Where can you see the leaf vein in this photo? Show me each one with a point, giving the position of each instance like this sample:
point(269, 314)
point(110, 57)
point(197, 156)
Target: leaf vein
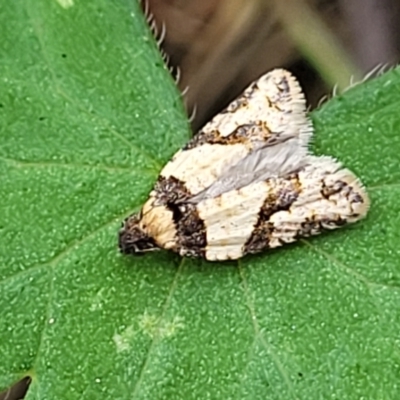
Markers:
point(155, 340)
point(258, 334)
point(73, 245)
point(350, 271)
point(46, 164)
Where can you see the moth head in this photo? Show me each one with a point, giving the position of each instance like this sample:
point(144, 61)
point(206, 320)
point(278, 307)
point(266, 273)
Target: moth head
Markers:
point(133, 238)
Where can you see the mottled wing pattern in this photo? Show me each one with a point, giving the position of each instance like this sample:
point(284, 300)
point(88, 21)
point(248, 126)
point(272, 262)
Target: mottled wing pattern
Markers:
point(268, 214)
point(271, 110)
point(246, 182)
point(268, 122)
point(327, 197)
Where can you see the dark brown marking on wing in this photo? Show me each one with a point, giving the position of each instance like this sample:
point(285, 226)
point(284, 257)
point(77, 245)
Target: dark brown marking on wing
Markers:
point(329, 190)
point(170, 190)
point(253, 130)
point(236, 105)
point(279, 201)
point(283, 85)
point(246, 133)
point(191, 231)
point(345, 190)
point(315, 224)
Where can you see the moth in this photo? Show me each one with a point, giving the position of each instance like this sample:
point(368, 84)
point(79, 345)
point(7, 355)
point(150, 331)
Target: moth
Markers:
point(247, 182)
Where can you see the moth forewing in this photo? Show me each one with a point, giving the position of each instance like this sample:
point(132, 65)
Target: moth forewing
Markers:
point(271, 111)
point(246, 182)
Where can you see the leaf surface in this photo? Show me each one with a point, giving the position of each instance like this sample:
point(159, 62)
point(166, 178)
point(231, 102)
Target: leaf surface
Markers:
point(88, 116)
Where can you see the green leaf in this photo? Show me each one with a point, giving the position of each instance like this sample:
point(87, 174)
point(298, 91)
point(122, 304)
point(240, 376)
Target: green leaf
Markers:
point(88, 115)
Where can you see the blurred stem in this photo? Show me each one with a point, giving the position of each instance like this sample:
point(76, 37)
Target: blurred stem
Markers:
point(373, 23)
point(316, 42)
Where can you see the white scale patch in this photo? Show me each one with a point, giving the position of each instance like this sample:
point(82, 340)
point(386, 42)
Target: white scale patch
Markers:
point(201, 166)
point(231, 219)
point(246, 182)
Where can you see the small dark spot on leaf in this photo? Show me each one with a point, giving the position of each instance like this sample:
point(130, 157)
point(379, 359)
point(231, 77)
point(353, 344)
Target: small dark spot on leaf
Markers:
point(1, 105)
point(300, 375)
point(42, 118)
point(63, 55)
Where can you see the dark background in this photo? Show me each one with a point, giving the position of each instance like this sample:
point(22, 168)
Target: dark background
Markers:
point(220, 46)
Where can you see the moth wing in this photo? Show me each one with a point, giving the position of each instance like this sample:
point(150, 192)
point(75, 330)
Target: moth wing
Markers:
point(330, 197)
point(275, 161)
point(271, 110)
point(230, 219)
point(270, 213)
point(258, 132)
